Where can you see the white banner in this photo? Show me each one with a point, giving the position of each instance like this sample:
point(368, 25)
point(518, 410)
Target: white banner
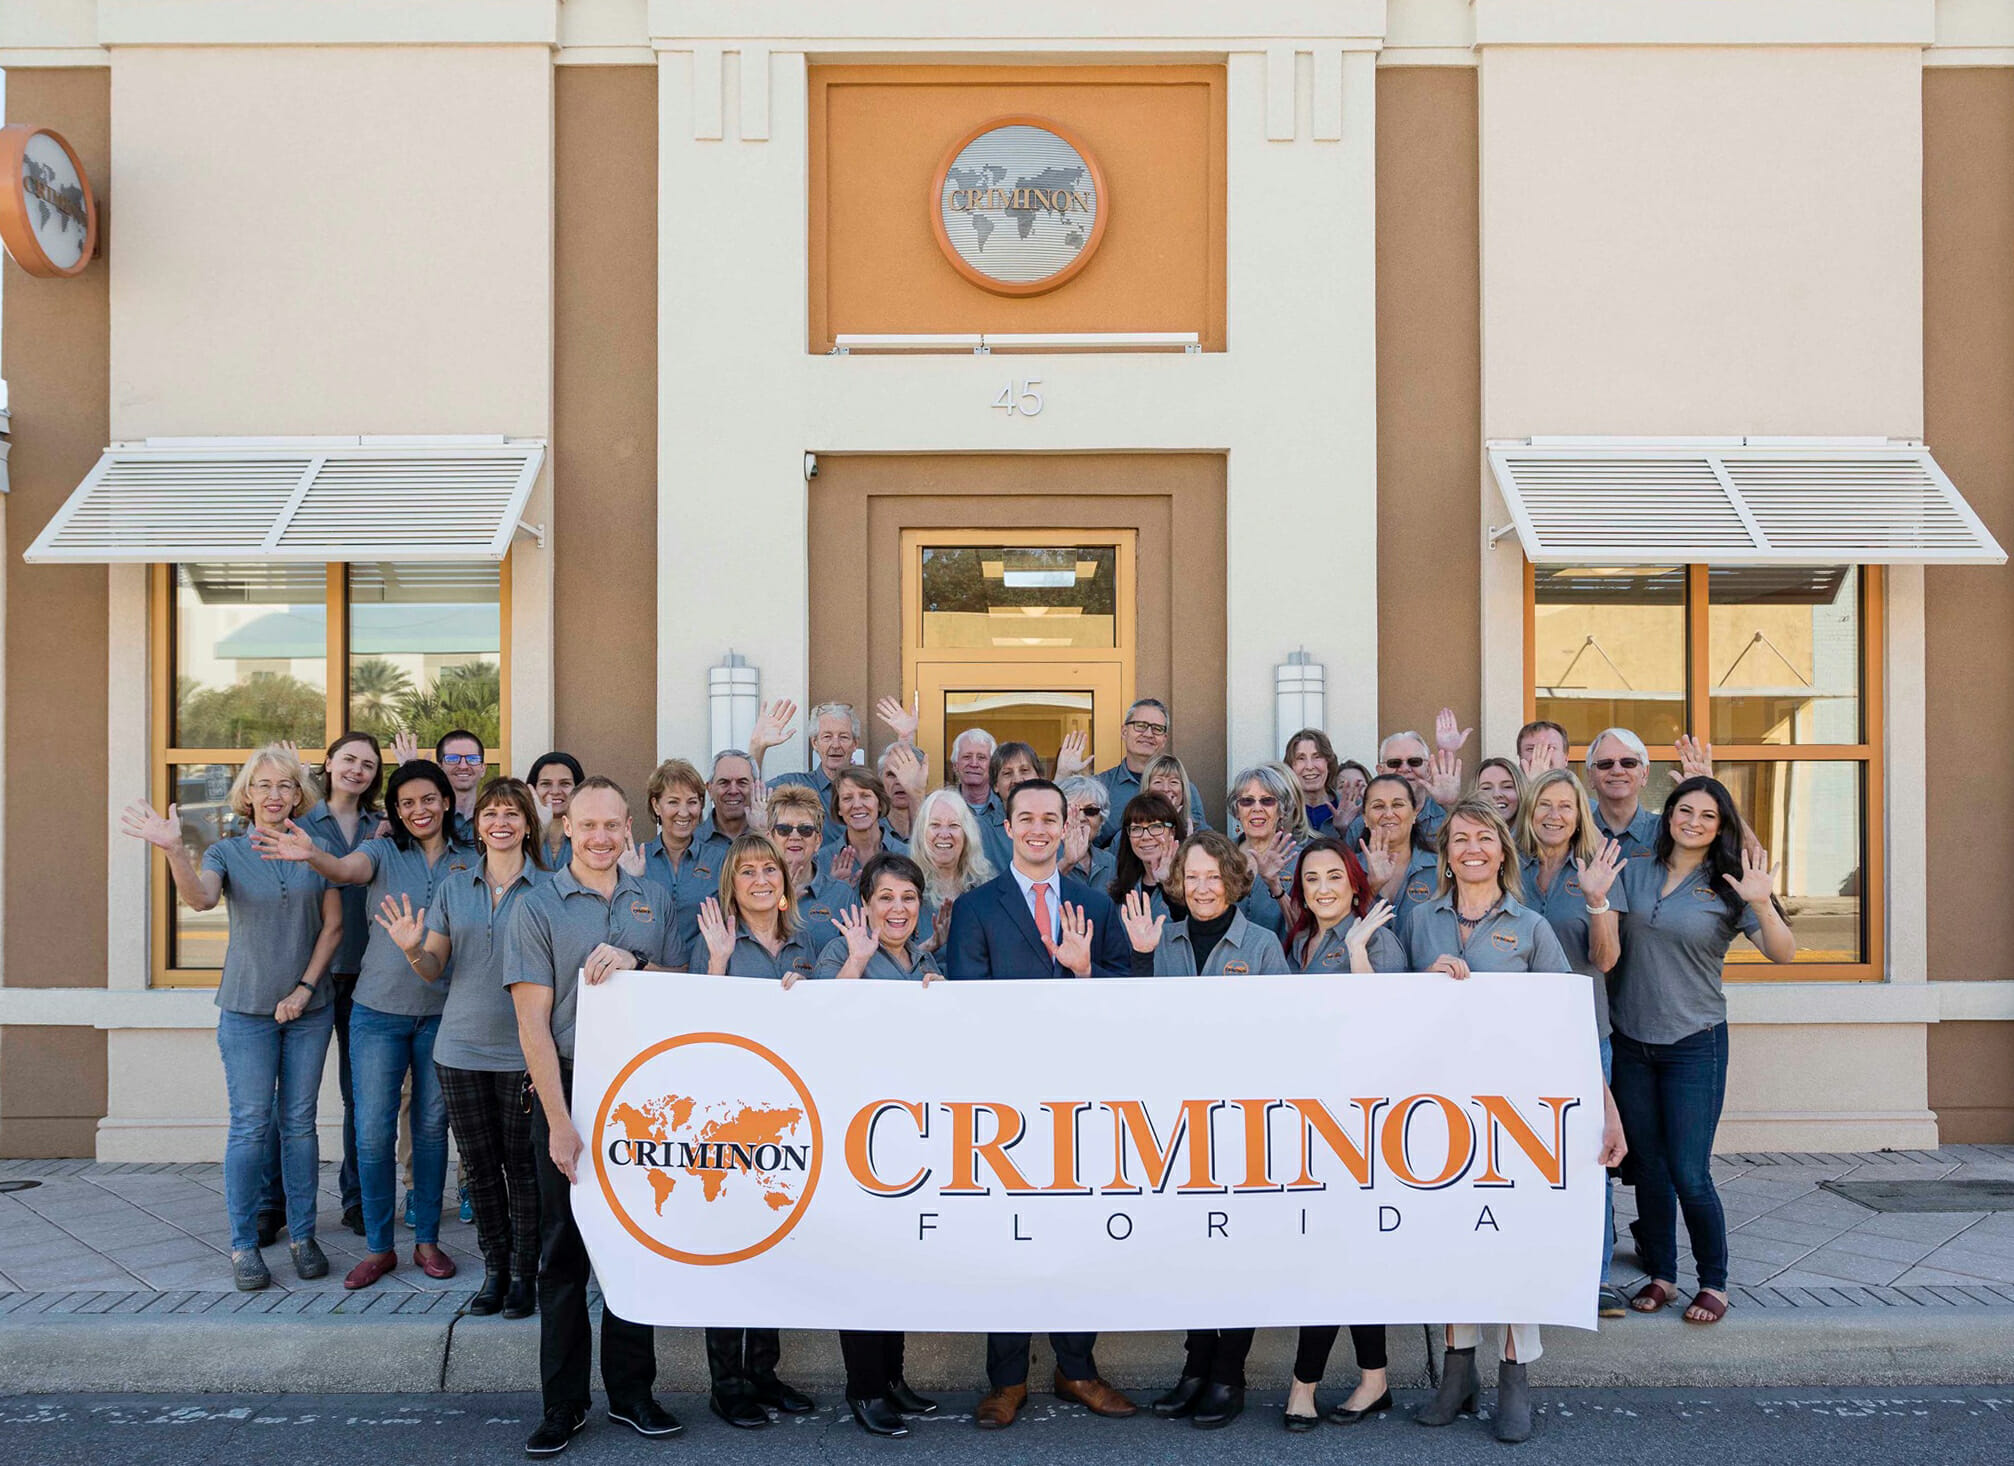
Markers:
point(1143, 1153)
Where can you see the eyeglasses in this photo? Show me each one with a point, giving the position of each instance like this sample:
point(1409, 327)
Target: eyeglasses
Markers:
point(802, 832)
point(1603, 765)
point(1158, 827)
point(462, 758)
point(1257, 801)
point(1405, 763)
point(267, 786)
point(1138, 725)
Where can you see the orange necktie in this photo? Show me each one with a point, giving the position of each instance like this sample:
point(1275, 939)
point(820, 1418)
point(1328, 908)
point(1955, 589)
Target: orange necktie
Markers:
point(1041, 895)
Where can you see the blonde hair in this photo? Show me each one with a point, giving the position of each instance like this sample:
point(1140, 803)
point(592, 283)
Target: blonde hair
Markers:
point(799, 797)
point(760, 847)
point(307, 788)
point(1166, 763)
point(1510, 880)
point(1509, 766)
point(1583, 846)
point(973, 868)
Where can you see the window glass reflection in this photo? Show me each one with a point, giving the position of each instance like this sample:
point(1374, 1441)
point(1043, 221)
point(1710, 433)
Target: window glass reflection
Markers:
point(425, 646)
point(1784, 651)
point(1807, 813)
point(1609, 650)
point(1038, 719)
point(202, 794)
point(251, 655)
point(1005, 596)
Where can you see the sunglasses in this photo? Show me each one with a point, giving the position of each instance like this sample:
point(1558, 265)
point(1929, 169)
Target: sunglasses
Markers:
point(1405, 763)
point(1257, 801)
point(1603, 765)
point(802, 832)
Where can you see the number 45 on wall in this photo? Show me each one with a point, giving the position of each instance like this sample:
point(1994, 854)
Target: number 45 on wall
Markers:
point(1020, 397)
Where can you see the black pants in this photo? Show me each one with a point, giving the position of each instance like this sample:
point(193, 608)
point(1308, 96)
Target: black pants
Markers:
point(1007, 1357)
point(490, 1115)
point(628, 1350)
point(739, 1359)
point(1217, 1355)
point(1311, 1355)
point(873, 1362)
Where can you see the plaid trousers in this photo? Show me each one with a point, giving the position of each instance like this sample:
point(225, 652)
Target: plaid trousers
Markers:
point(489, 1113)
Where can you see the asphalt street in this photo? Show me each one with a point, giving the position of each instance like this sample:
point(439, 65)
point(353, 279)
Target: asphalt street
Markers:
point(1952, 1427)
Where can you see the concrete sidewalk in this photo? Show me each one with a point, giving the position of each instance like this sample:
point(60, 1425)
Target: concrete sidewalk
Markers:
point(117, 1277)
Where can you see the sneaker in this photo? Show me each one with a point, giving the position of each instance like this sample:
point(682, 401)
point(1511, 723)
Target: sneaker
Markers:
point(310, 1262)
point(249, 1272)
point(646, 1417)
point(468, 1207)
point(556, 1432)
point(412, 1217)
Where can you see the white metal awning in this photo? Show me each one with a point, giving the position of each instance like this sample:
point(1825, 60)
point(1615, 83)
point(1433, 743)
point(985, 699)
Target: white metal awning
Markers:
point(313, 499)
point(1735, 501)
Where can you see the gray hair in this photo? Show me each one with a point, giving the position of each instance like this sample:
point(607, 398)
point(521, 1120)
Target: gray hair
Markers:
point(1082, 788)
point(974, 869)
point(713, 769)
point(834, 710)
point(991, 742)
point(1391, 738)
point(1279, 781)
point(881, 763)
point(1623, 736)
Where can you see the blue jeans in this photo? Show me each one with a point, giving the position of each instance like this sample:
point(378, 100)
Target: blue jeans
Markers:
point(271, 1070)
point(384, 1047)
point(1607, 1181)
point(271, 1199)
point(1670, 1097)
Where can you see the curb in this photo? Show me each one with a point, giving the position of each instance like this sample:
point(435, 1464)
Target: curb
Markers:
point(46, 1354)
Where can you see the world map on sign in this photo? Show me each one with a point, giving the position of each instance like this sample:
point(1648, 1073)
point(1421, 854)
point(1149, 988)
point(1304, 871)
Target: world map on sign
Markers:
point(715, 1146)
point(1019, 204)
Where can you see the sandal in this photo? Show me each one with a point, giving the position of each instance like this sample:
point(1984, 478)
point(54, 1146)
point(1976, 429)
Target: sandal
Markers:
point(1714, 1308)
point(1653, 1297)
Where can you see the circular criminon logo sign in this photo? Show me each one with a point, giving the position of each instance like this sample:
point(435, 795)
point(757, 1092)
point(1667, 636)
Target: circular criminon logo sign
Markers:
point(707, 1147)
point(1019, 205)
point(48, 218)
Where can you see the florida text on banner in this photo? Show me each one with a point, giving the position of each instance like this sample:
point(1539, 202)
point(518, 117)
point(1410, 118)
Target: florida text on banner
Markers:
point(1114, 1154)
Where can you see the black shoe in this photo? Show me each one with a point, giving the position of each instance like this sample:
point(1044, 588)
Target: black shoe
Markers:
point(908, 1401)
point(1180, 1402)
point(1342, 1415)
point(1301, 1424)
point(489, 1297)
point(270, 1224)
point(645, 1417)
point(353, 1218)
point(777, 1395)
point(740, 1411)
point(556, 1432)
point(877, 1417)
point(522, 1299)
point(1218, 1406)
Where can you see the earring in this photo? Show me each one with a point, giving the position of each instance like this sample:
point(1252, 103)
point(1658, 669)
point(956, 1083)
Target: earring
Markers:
point(782, 903)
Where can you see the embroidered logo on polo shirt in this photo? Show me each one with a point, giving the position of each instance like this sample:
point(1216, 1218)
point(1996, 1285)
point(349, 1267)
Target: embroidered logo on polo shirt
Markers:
point(702, 870)
point(1237, 969)
point(1706, 893)
point(1332, 958)
point(640, 911)
point(1505, 940)
point(822, 913)
point(1573, 884)
point(1419, 890)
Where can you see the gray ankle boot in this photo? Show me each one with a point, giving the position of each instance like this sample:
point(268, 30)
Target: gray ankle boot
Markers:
point(1513, 1403)
point(1459, 1387)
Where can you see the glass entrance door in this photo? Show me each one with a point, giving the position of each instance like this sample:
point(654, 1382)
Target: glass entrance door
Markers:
point(1030, 636)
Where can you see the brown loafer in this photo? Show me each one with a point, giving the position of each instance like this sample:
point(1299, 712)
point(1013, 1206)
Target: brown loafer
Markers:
point(370, 1270)
point(997, 1410)
point(435, 1264)
point(1096, 1396)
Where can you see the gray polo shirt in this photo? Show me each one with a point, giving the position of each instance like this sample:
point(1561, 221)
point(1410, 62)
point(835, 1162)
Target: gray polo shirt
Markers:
point(1667, 982)
point(1260, 904)
point(1246, 948)
point(880, 965)
point(1638, 838)
point(1430, 818)
point(558, 923)
point(1514, 938)
point(1121, 783)
point(815, 780)
point(275, 908)
point(1097, 869)
point(1423, 873)
point(1330, 951)
point(479, 1024)
point(1565, 908)
point(694, 877)
point(751, 959)
point(386, 981)
point(819, 907)
point(327, 831)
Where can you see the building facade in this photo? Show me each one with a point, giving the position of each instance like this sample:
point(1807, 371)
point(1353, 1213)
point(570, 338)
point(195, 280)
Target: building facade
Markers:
point(579, 370)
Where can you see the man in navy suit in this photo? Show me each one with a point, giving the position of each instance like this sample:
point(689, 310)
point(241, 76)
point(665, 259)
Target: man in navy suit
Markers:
point(1034, 922)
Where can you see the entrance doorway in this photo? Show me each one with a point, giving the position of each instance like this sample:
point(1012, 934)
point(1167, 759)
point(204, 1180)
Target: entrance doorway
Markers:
point(1030, 635)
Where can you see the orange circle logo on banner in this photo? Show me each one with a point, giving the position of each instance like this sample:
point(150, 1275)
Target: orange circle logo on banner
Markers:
point(707, 1147)
point(48, 216)
point(1019, 205)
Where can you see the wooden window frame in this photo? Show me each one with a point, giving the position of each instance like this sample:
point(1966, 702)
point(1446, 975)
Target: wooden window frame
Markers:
point(1869, 754)
point(164, 754)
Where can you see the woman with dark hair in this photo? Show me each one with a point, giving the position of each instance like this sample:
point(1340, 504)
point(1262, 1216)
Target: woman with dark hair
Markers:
point(476, 1052)
point(1685, 905)
point(1146, 854)
point(1013, 763)
point(861, 830)
point(1351, 778)
point(1343, 926)
point(1397, 853)
point(345, 817)
point(1313, 759)
point(396, 1017)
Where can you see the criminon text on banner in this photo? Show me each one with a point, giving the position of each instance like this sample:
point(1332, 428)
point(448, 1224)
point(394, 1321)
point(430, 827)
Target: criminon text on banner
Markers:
point(1143, 1153)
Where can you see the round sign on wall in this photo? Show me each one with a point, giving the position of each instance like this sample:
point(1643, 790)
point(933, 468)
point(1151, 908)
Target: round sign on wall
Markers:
point(48, 217)
point(1019, 205)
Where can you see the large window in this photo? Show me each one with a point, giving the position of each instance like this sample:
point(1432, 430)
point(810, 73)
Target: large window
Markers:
point(250, 654)
point(1778, 667)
